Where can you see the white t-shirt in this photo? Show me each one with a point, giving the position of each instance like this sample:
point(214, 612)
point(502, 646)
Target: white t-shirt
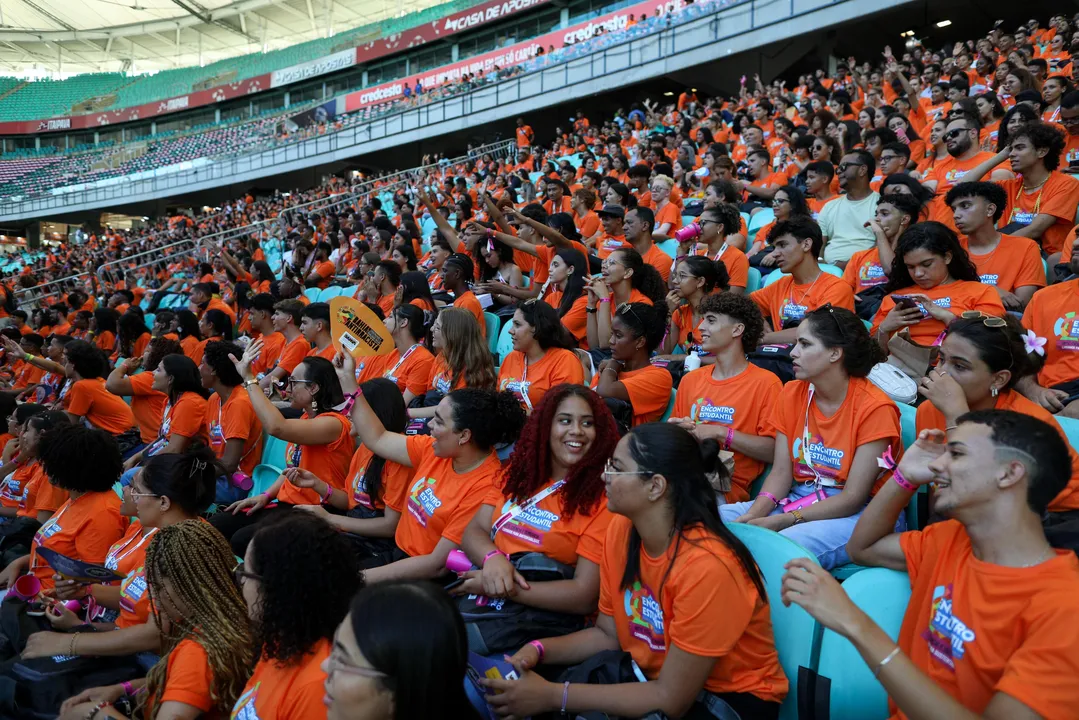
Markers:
point(843, 223)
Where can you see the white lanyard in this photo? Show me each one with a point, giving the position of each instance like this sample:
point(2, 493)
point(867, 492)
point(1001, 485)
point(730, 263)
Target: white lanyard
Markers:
point(393, 370)
point(523, 385)
point(806, 451)
point(719, 254)
point(112, 560)
point(516, 510)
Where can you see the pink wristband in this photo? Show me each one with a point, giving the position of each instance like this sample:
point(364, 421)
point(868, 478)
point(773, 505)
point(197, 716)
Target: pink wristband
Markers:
point(129, 689)
point(491, 554)
point(730, 439)
point(604, 300)
point(902, 481)
point(770, 496)
point(539, 648)
point(328, 495)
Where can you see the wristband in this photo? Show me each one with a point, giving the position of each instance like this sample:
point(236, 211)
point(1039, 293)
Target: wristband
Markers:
point(902, 481)
point(269, 497)
point(565, 696)
point(328, 495)
point(489, 555)
point(129, 689)
point(539, 648)
point(887, 659)
point(730, 439)
point(770, 496)
point(887, 462)
point(604, 300)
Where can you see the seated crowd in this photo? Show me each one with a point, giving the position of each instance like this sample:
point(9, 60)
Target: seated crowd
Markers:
point(579, 503)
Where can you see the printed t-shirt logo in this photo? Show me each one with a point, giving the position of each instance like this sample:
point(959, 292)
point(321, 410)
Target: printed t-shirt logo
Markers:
point(871, 274)
point(293, 454)
point(645, 616)
point(422, 501)
point(947, 635)
point(442, 383)
point(792, 312)
point(244, 709)
point(989, 279)
point(217, 436)
point(703, 410)
point(1066, 330)
point(529, 525)
point(132, 589)
point(826, 460)
point(359, 489)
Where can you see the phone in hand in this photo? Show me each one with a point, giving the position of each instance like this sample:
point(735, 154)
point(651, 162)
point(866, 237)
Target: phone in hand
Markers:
point(906, 302)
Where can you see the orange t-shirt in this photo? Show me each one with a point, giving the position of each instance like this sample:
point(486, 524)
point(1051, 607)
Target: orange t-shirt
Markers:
point(147, 405)
point(1059, 197)
point(557, 366)
point(105, 341)
point(192, 347)
point(218, 304)
point(733, 259)
point(14, 486)
point(588, 224)
point(742, 402)
point(28, 374)
point(785, 304)
point(410, 373)
point(977, 629)
point(188, 677)
point(607, 244)
point(325, 271)
point(576, 318)
point(441, 377)
point(866, 415)
point(1015, 262)
point(542, 261)
point(186, 418)
point(929, 417)
point(140, 344)
point(704, 581)
point(235, 421)
point(393, 481)
point(286, 692)
point(468, 301)
point(440, 502)
point(684, 329)
point(127, 557)
point(864, 270)
point(543, 528)
point(83, 528)
point(272, 345)
point(1053, 313)
point(649, 390)
point(40, 495)
point(328, 463)
point(660, 260)
point(948, 173)
point(956, 297)
point(669, 214)
point(326, 353)
point(90, 399)
point(293, 354)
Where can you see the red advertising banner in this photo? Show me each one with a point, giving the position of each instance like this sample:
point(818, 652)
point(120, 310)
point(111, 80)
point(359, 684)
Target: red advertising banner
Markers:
point(509, 56)
point(438, 29)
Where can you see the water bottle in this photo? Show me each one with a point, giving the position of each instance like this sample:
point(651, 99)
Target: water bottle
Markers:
point(693, 361)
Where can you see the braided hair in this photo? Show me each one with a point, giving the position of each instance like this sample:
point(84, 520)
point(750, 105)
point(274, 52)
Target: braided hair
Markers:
point(198, 561)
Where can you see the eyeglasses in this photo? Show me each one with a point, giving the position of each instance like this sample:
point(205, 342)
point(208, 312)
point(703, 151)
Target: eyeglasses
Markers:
point(888, 158)
point(336, 664)
point(241, 576)
point(131, 491)
point(953, 134)
point(608, 469)
point(842, 167)
point(292, 381)
point(779, 201)
point(990, 321)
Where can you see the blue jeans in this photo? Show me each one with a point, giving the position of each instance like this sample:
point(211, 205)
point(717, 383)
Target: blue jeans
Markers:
point(826, 539)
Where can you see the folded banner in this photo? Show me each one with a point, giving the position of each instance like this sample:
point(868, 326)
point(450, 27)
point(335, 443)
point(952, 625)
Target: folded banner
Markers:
point(78, 570)
point(357, 330)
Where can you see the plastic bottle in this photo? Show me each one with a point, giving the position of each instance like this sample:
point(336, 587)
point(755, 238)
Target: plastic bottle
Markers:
point(693, 361)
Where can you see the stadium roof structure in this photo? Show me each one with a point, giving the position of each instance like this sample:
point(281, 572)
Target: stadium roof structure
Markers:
point(46, 37)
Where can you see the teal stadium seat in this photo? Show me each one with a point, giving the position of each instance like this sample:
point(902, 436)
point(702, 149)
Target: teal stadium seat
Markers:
point(312, 293)
point(269, 469)
point(777, 273)
point(792, 626)
point(851, 689)
point(505, 343)
point(753, 281)
point(758, 221)
point(670, 406)
point(669, 246)
point(492, 321)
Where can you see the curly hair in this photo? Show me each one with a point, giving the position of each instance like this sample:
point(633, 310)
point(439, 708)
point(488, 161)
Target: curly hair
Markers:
point(197, 561)
point(740, 309)
point(299, 557)
point(1043, 135)
point(529, 468)
point(159, 348)
point(493, 417)
point(79, 458)
point(89, 361)
point(937, 239)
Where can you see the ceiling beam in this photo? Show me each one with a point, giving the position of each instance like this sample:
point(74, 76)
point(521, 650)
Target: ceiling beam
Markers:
point(45, 13)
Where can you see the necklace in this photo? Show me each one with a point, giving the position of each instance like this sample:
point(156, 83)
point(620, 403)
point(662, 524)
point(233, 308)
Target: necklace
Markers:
point(819, 273)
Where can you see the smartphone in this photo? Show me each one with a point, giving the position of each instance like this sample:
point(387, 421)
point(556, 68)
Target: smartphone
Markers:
point(905, 302)
point(455, 583)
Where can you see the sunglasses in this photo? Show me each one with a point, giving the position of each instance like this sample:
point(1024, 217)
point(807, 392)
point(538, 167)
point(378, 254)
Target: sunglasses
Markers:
point(990, 321)
point(627, 309)
point(842, 167)
point(953, 134)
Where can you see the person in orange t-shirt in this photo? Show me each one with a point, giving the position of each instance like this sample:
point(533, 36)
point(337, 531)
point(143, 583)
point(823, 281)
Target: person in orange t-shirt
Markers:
point(668, 216)
point(87, 397)
point(830, 424)
point(409, 365)
point(147, 404)
point(319, 441)
point(86, 463)
point(234, 429)
point(803, 287)
point(644, 389)
point(702, 572)
point(184, 417)
point(988, 630)
point(731, 399)
point(541, 356)
point(457, 279)
point(1051, 316)
point(961, 139)
point(289, 681)
point(454, 468)
point(323, 270)
point(550, 500)
point(936, 283)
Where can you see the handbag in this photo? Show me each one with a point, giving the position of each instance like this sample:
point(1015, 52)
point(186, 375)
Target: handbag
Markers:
point(910, 357)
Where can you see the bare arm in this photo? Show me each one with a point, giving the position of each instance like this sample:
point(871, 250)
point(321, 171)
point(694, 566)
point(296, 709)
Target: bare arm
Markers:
point(420, 567)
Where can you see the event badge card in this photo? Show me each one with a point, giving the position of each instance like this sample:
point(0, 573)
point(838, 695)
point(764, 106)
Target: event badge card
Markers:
point(76, 569)
point(492, 668)
point(357, 330)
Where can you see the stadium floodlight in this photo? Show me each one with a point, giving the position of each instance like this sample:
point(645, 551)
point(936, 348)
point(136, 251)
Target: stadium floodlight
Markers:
point(944, 23)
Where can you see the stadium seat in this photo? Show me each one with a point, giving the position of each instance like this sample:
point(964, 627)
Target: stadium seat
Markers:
point(759, 220)
point(312, 294)
point(688, 220)
point(492, 330)
point(505, 343)
point(792, 626)
point(269, 469)
point(843, 676)
point(907, 413)
point(149, 320)
point(753, 281)
point(330, 293)
point(1071, 429)
point(669, 246)
point(777, 273)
